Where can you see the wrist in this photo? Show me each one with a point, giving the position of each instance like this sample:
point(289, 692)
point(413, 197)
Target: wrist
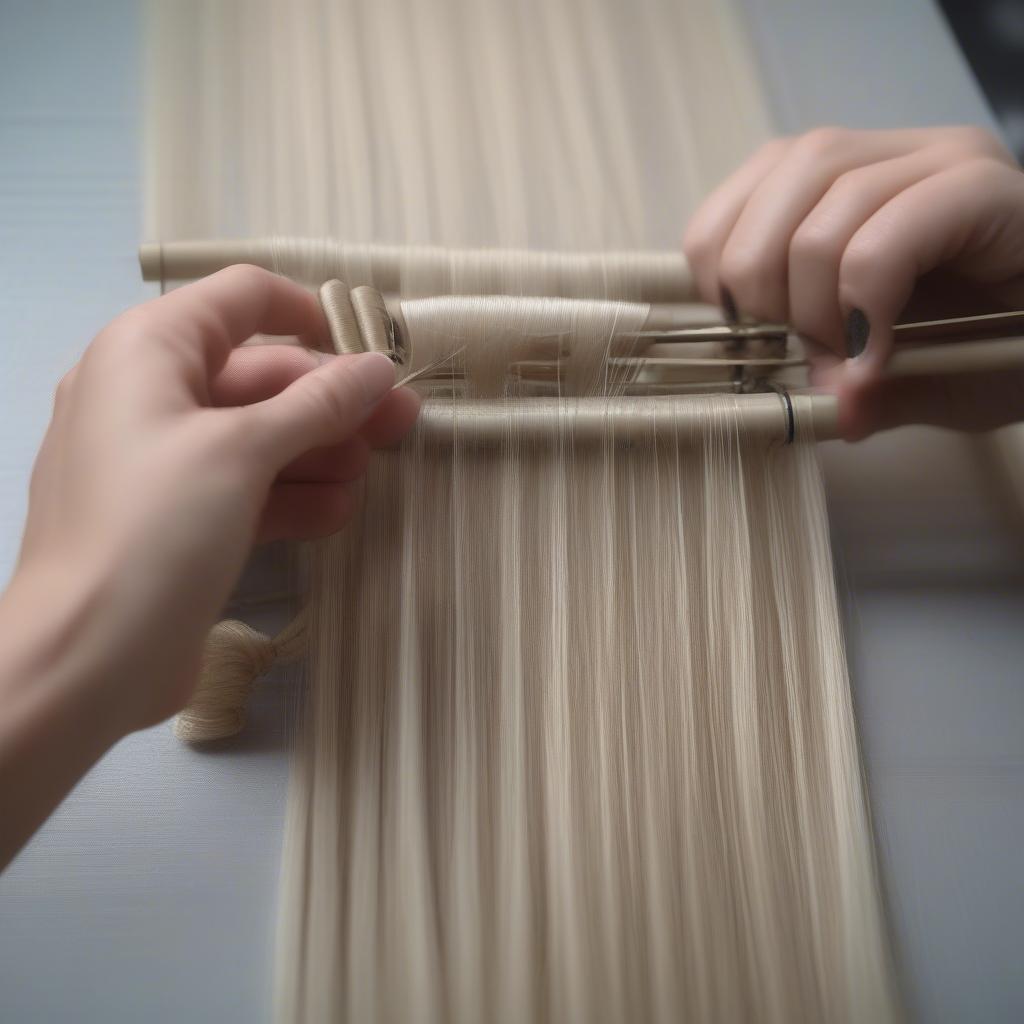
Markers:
point(58, 654)
point(57, 716)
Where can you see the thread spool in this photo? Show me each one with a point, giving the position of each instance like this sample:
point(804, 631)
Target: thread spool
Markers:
point(336, 301)
point(234, 657)
point(360, 321)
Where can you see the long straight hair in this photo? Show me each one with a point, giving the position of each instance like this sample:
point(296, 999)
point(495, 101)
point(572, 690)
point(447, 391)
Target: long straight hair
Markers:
point(577, 741)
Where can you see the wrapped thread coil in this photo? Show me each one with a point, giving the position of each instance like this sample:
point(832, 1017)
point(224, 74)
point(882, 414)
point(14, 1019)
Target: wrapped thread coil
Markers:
point(234, 657)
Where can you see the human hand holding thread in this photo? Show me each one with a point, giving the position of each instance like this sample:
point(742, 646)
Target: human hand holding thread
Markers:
point(841, 234)
point(170, 452)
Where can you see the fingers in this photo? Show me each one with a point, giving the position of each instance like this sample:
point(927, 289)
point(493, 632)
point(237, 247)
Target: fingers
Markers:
point(817, 245)
point(737, 241)
point(211, 316)
point(833, 232)
point(321, 408)
point(959, 212)
point(392, 419)
point(303, 511)
point(753, 263)
point(789, 212)
point(314, 496)
point(709, 228)
point(258, 372)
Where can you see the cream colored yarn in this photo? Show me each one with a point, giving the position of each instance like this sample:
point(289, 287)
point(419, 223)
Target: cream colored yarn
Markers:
point(578, 742)
point(234, 657)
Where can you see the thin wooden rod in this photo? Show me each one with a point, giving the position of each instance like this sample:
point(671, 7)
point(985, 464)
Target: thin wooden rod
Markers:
point(986, 325)
point(762, 419)
point(654, 277)
point(992, 356)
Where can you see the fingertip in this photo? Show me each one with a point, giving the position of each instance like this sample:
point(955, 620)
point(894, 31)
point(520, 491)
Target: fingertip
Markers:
point(372, 373)
point(857, 400)
point(407, 404)
point(375, 373)
point(393, 418)
point(324, 407)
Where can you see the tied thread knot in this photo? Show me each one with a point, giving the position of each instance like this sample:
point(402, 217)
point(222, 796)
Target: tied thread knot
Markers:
point(234, 657)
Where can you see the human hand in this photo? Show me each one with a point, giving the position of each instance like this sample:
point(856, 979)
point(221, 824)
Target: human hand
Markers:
point(171, 451)
point(841, 234)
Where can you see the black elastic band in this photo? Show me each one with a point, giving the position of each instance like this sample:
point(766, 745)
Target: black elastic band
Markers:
point(790, 417)
point(787, 404)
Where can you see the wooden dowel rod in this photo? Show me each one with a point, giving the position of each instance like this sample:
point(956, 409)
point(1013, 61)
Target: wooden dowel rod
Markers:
point(762, 418)
point(651, 276)
point(957, 357)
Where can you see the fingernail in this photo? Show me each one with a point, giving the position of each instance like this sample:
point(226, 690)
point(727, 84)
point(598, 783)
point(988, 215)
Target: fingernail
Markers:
point(728, 304)
point(374, 372)
point(857, 330)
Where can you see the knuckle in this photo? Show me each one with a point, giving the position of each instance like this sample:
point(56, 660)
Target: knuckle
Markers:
point(773, 147)
point(246, 275)
point(755, 279)
point(845, 187)
point(822, 143)
point(985, 172)
point(113, 343)
point(743, 271)
point(813, 242)
point(972, 138)
point(697, 245)
point(122, 336)
point(62, 392)
point(206, 321)
point(127, 324)
point(859, 262)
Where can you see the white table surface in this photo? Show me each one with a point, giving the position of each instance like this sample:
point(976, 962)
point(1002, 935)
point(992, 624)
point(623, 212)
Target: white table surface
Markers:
point(151, 893)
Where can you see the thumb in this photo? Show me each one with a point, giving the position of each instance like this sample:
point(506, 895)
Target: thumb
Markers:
point(323, 407)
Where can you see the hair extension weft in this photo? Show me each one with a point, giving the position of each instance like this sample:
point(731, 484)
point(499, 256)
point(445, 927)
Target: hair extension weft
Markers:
point(580, 747)
point(577, 742)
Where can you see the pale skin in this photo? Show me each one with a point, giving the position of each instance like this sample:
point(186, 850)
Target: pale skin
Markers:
point(172, 451)
point(916, 224)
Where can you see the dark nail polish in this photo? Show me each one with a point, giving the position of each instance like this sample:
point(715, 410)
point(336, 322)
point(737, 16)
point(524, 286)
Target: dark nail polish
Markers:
point(857, 331)
point(729, 309)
